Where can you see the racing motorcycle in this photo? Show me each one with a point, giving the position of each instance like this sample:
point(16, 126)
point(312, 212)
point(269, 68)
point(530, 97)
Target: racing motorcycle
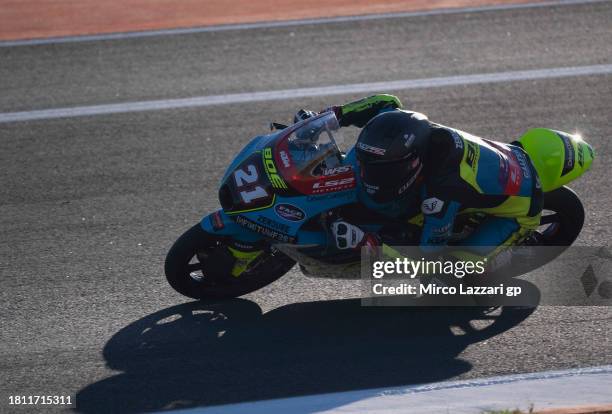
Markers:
point(283, 190)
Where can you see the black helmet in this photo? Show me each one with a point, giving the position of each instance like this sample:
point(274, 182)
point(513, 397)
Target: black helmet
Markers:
point(390, 150)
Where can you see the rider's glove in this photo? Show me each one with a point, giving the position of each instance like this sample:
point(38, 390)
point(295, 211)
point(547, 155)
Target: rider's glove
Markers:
point(349, 236)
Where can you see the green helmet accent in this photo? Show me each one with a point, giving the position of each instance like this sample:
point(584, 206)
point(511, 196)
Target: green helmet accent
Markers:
point(557, 156)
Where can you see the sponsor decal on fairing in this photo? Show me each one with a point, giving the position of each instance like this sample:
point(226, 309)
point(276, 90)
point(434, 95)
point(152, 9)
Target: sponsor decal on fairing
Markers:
point(289, 212)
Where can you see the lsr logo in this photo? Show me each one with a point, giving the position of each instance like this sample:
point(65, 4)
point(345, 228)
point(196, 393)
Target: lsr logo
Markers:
point(325, 186)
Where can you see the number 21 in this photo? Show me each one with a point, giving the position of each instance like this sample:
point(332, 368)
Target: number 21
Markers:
point(247, 179)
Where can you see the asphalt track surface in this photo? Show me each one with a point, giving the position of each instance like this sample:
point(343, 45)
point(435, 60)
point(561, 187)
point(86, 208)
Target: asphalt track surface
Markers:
point(89, 207)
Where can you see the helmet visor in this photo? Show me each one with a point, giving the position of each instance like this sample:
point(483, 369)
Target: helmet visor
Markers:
point(384, 181)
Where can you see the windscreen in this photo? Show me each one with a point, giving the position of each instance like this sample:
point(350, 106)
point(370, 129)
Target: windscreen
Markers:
point(312, 148)
point(310, 160)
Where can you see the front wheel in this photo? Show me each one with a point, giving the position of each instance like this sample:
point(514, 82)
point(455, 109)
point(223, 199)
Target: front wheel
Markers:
point(195, 267)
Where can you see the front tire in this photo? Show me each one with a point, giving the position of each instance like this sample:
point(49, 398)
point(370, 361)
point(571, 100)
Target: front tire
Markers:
point(184, 262)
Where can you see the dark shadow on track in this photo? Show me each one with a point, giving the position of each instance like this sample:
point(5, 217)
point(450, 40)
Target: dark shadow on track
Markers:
point(205, 354)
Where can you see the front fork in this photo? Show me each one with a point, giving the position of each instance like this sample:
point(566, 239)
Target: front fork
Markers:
point(244, 245)
point(243, 259)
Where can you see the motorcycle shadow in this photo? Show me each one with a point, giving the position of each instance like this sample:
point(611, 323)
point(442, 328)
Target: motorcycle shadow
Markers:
point(200, 354)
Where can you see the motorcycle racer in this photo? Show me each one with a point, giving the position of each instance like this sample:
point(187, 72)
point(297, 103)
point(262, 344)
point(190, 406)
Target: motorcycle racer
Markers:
point(402, 159)
point(293, 197)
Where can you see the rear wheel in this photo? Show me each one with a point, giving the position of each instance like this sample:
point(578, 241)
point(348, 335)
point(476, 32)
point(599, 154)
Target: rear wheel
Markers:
point(562, 218)
point(199, 265)
point(561, 223)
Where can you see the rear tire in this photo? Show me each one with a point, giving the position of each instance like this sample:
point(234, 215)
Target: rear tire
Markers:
point(567, 220)
point(558, 230)
point(193, 244)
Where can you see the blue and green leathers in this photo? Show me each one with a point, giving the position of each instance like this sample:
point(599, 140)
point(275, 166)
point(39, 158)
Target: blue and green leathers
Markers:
point(462, 175)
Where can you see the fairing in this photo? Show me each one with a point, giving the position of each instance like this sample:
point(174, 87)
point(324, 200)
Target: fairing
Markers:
point(280, 181)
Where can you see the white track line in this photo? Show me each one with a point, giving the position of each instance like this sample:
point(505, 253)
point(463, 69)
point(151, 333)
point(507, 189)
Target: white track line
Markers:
point(288, 23)
point(354, 88)
point(565, 388)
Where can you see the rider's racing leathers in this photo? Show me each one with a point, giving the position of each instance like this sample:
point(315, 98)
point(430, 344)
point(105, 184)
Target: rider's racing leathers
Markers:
point(464, 176)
